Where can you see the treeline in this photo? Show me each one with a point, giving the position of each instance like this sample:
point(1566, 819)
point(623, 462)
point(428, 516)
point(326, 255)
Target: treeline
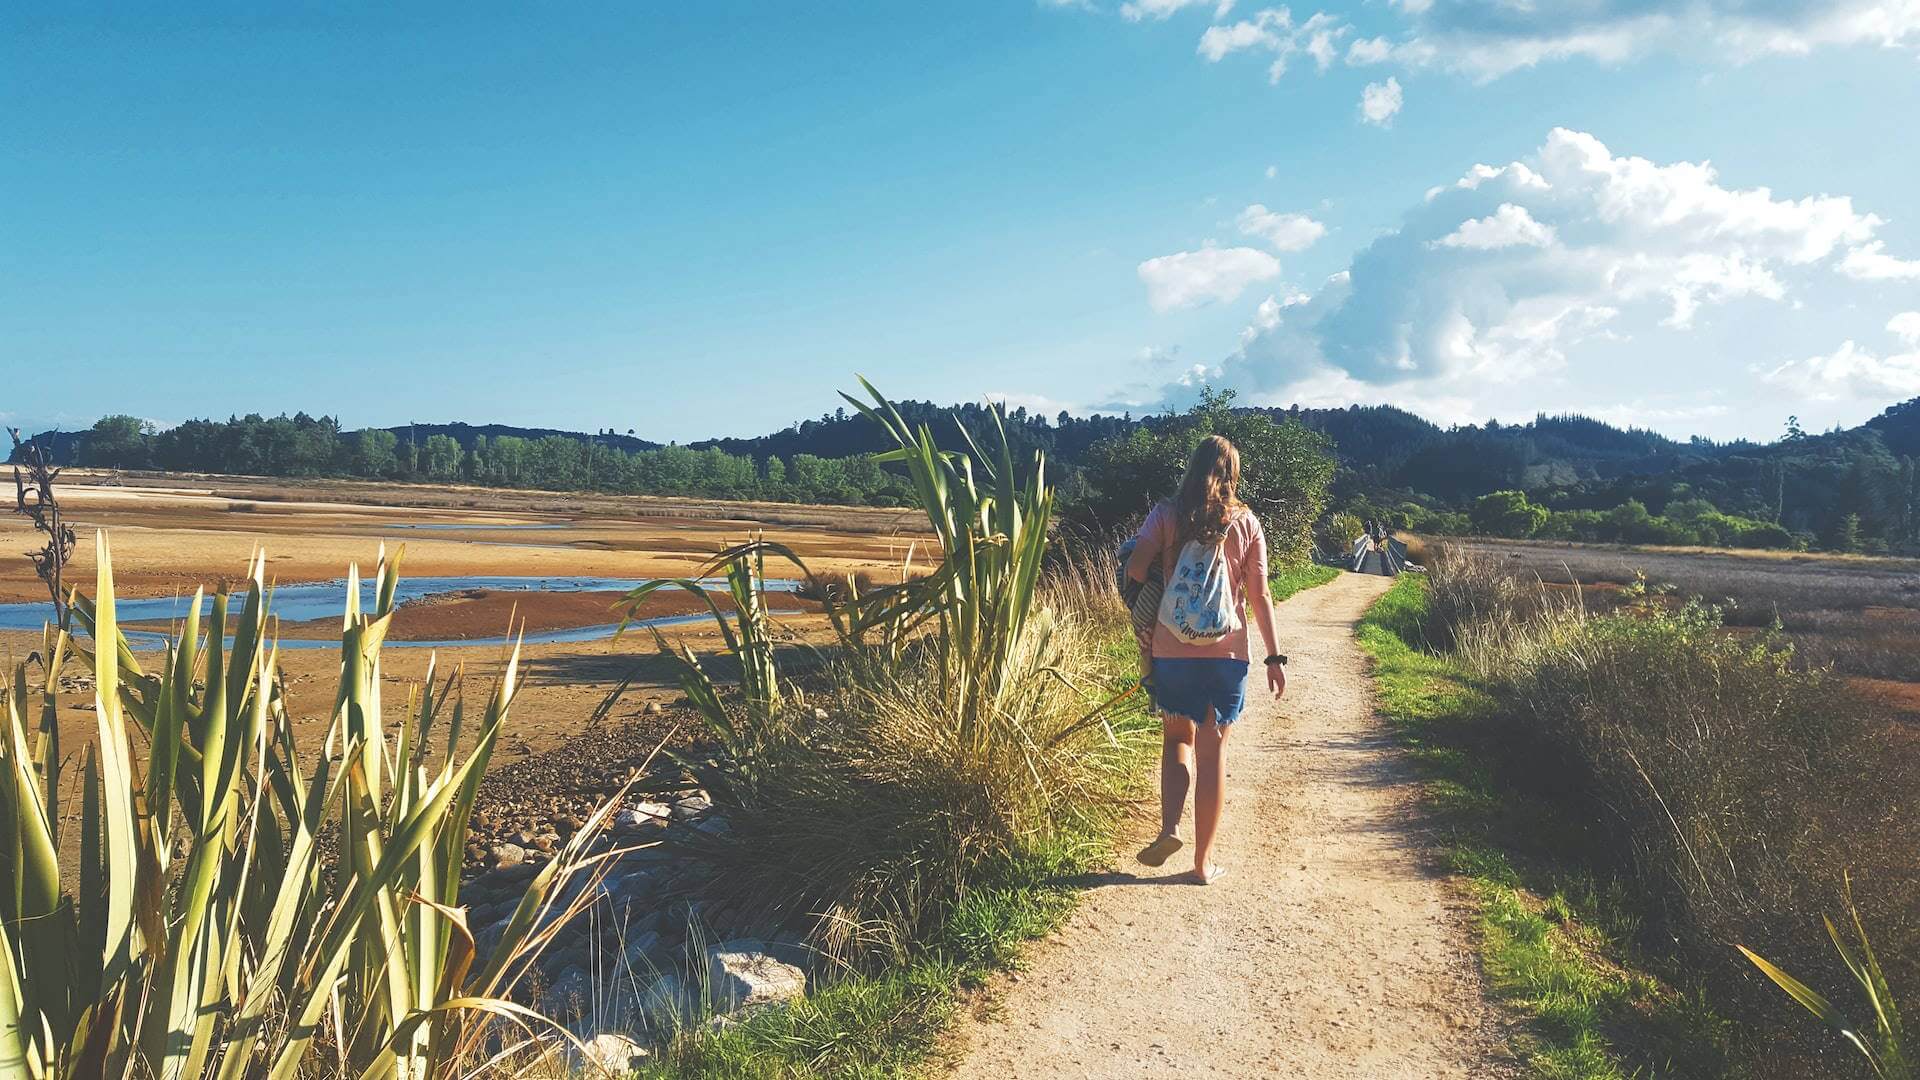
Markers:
point(1851, 490)
point(303, 445)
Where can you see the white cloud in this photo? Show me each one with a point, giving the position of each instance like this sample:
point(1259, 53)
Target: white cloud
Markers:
point(1209, 275)
point(1642, 413)
point(1380, 101)
point(1906, 327)
point(1509, 226)
point(1136, 10)
point(1273, 171)
point(1489, 40)
point(1365, 51)
point(1274, 32)
point(1282, 232)
point(1512, 271)
point(1850, 372)
point(1038, 404)
point(1486, 39)
point(1870, 262)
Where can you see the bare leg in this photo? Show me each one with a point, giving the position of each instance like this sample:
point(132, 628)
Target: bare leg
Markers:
point(1209, 795)
point(1176, 770)
point(1176, 777)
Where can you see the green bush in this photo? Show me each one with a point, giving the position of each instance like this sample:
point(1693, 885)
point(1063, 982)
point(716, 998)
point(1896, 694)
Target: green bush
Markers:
point(1508, 514)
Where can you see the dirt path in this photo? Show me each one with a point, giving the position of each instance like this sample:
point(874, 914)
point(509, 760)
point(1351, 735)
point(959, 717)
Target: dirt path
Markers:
point(1330, 950)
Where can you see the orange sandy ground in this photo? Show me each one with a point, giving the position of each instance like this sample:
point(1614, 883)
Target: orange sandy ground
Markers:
point(172, 540)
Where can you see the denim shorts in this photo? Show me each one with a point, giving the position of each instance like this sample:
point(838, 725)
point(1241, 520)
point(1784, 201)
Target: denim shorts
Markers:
point(1189, 687)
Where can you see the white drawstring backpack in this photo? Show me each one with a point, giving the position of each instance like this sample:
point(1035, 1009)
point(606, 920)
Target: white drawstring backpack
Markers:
point(1198, 603)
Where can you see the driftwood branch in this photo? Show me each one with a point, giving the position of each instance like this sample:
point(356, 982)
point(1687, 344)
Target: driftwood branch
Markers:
point(33, 477)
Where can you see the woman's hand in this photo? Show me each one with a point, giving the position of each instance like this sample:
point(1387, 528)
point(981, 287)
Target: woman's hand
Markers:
point(1277, 679)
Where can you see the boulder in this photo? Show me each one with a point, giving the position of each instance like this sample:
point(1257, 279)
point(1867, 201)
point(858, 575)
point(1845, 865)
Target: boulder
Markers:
point(609, 1053)
point(641, 953)
point(742, 974)
point(570, 995)
point(518, 872)
point(669, 1003)
point(691, 806)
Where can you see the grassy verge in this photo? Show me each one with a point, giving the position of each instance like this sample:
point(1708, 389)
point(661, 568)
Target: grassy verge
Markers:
point(1297, 579)
point(886, 1025)
point(1555, 942)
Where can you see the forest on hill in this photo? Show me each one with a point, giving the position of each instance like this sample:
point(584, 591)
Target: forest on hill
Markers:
point(1570, 477)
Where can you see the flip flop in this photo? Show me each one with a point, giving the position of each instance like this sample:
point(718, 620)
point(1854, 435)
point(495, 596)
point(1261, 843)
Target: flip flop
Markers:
point(1214, 873)
point(1159, 851)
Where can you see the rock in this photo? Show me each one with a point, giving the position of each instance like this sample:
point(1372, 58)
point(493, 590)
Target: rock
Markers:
point(819, 714)
point(639, 819)
point(713, 825)
point(505, 855)
point(515, 873)
point(654, 708)
point(565, 822)
point(570, 995)
point(691, 806)
point(546, 842)
point(742, 974)
point(609, 1052)
point(639, 953)
point(669, 1003)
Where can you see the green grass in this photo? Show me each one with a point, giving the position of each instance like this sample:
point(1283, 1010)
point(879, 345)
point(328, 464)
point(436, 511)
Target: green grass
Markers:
point(1555, 944)
point(1298, 578)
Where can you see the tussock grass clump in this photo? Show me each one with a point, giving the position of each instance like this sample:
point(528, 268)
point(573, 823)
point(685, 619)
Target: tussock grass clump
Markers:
point(964, 719)
point(1732, 786)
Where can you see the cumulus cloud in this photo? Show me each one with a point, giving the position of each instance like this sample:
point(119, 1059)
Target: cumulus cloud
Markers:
point(1499, 275)
point(1210, 275)
point(1870, 262)
point(1509, 226)
point(1282, 232)
point(1850, 372)
point(1906, 327)
point(1380, 101)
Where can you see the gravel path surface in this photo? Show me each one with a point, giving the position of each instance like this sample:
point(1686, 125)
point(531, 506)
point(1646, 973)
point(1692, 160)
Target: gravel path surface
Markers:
point(1331, 948)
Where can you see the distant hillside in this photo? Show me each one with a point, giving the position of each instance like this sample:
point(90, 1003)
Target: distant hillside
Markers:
point(464, 434)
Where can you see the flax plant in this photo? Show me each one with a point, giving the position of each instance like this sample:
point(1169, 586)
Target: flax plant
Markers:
point(206, 935)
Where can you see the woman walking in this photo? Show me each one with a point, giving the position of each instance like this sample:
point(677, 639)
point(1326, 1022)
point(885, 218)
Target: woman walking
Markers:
point(1213, 558)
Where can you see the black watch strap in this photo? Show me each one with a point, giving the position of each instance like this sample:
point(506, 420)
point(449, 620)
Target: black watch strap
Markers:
point(1277, 658)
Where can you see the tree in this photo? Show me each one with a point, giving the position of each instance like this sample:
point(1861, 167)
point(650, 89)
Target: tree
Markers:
point(117, 442)
point(1285, 470)
point(443, 457)
point(1509, 514)
point(373, 453)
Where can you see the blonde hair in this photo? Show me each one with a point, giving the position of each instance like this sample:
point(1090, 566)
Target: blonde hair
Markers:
point(1209, 497)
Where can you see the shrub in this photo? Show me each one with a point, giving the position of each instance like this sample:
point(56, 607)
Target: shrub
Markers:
point(1731, 785)
point(1508, 514)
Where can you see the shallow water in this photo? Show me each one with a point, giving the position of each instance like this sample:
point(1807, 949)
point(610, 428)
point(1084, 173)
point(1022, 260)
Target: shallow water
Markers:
point(327, 599)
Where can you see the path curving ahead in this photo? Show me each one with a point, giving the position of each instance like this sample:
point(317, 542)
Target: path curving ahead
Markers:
point(1331, 948)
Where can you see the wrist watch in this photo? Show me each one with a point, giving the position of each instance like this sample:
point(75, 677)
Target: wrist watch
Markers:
point(1277, 658)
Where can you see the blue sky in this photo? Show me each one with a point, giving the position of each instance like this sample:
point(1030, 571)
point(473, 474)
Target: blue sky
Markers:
point(703, 219)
